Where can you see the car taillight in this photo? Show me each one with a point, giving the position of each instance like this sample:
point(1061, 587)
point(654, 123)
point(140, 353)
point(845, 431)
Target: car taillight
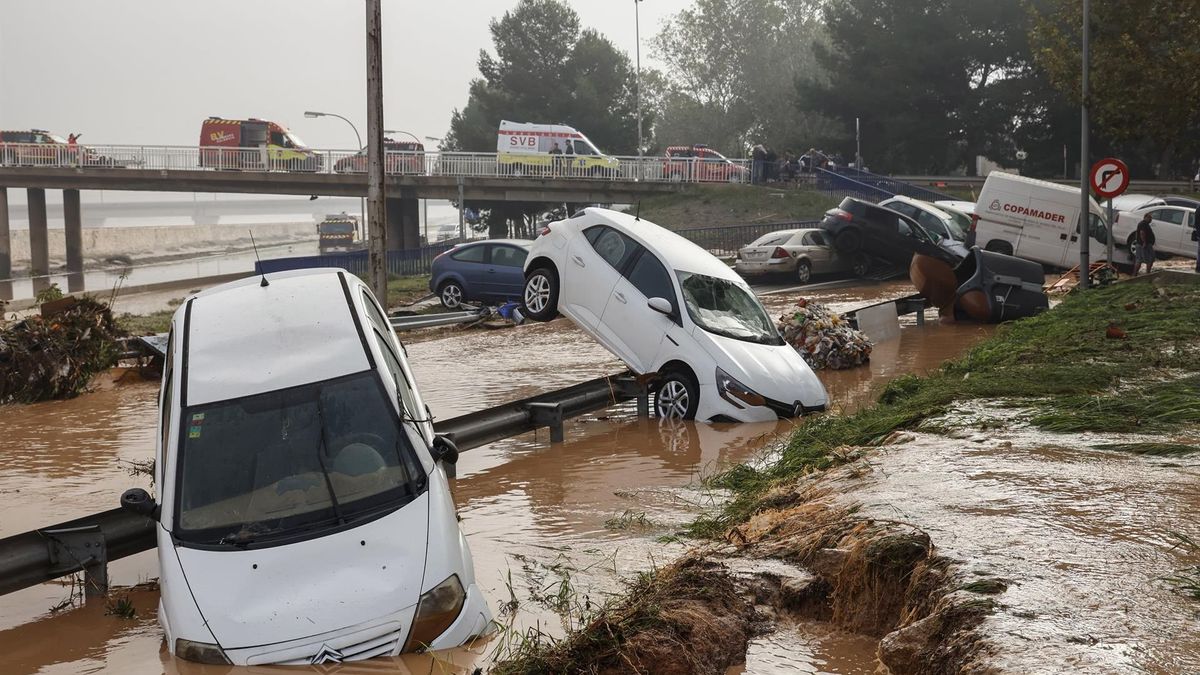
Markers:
point(545, 231)
point(844, 215)
point(779, 252)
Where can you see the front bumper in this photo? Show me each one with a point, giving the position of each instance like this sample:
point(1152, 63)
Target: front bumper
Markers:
point(714, 407)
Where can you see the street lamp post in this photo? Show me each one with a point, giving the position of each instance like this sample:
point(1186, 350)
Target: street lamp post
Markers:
point(637, 88)
point(1084, 187)
point(362, 204)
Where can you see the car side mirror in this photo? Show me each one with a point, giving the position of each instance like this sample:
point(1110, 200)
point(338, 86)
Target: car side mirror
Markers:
point(444, 450)
point(660, 305)
point(139, 501)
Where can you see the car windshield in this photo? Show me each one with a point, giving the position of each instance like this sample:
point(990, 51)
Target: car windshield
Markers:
point(296, 140)
point(337, 227)
point(56, 138)
point(278, 464)
point(725, 308)
point(959, 224)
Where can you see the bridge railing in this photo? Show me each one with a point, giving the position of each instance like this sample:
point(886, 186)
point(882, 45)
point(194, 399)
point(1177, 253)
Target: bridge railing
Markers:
point(419, 163)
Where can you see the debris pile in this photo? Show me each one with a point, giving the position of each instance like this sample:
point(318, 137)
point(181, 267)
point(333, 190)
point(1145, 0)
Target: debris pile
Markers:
point(56, 356)
point(825, 339)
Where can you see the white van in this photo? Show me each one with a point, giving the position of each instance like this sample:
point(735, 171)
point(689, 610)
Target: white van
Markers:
point(524, 148)
point(1038, 220)
point(304, 512)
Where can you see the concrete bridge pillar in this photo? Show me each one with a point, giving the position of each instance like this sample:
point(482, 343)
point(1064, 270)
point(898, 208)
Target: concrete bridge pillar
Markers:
point(403, 224)
point(74, 239)
point(39, 238)
point(5, 248)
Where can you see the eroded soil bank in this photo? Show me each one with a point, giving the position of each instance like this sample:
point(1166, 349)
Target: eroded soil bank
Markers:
point(1018, 510)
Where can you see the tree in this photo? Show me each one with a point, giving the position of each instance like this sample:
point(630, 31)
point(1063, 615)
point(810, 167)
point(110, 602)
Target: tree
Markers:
point(935, 83)
point(547, 69)
point(731, 65)
point(1145, 74)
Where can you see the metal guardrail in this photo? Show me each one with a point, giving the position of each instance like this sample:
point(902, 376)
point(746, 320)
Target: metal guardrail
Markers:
point(416, 321)
point(660, 169)
point(88, 544)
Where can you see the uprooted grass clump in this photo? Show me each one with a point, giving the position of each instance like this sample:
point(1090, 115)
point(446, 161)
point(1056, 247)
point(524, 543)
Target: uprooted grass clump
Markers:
point(1061, 363)
point(52, 357)
point(686, 618)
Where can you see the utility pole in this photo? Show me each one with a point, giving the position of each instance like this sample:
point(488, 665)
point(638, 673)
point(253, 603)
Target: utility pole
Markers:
point(1085, 189)
point(376, 204)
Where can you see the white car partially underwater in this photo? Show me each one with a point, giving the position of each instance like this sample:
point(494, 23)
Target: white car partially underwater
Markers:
point(304, 514)
point(667, 307)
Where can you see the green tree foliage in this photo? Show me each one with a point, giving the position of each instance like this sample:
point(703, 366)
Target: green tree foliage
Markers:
point(1145, 74)
point(731, 65)
point(934, 83)
point(547, 69)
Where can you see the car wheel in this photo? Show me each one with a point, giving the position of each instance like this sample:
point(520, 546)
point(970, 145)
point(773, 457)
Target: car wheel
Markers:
point(451, 294)
point(996, 246)
point(803, 271)
point(860, 265)
point(677, 396)
point(540, 296)
point(848, 241)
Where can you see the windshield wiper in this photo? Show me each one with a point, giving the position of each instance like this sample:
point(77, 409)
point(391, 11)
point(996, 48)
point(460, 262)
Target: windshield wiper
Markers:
point(321, 450)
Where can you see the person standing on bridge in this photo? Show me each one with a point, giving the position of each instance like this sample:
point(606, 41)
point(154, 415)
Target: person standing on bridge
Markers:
point(1145, 246)
point(569, 157)
point(556, 158)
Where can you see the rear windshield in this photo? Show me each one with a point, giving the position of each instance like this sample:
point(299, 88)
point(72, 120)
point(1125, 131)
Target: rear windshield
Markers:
point(293, 461)
point(773, 239)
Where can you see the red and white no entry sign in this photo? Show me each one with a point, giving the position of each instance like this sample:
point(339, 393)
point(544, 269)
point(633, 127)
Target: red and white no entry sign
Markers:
point(1109, 177)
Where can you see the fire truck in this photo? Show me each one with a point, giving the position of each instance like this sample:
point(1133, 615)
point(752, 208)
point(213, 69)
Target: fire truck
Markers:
point(338, 233)
point(254, 144)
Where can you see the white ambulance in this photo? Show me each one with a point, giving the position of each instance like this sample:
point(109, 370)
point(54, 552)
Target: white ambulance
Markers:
point(526, 149)
point(1038, 220)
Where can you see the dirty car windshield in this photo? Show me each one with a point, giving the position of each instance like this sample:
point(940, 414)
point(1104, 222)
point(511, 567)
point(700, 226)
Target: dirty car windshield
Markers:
point(724, 308)
point(296, 460)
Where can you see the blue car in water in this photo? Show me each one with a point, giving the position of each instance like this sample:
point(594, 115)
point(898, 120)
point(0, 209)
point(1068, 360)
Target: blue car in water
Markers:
point(483, 271)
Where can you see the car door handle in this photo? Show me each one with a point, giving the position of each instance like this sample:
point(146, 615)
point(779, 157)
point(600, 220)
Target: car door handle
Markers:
point(578, 261)
point(491, 270)
point(620, 297)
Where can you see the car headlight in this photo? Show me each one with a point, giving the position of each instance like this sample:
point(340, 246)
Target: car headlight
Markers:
point(200, 652)
point(731, 389)
point(438, 608)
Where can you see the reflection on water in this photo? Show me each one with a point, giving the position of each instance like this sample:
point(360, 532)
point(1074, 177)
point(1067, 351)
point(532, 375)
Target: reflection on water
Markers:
point(587, 511)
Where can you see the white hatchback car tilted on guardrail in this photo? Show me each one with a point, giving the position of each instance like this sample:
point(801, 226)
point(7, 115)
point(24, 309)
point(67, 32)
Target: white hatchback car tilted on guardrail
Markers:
point(305, 515)
point(665, 306)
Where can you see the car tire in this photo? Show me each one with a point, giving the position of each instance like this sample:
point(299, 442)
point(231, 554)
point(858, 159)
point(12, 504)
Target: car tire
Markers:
point(998, 246)
point(539, 297)
point(677, 395)
point(803, 271)
point(451, 294)
point(860, 265)
point(848, 240)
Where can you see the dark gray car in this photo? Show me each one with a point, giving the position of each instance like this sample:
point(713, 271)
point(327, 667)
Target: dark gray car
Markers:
point(484, 271)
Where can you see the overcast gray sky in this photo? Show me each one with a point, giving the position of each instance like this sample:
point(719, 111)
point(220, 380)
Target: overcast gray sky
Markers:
point(148, 71)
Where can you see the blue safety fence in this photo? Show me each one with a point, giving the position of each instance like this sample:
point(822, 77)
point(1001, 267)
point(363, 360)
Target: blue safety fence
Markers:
point(399, 263)
point(891, 186)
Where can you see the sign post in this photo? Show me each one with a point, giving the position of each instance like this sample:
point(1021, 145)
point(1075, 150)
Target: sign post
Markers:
point(1109, 178)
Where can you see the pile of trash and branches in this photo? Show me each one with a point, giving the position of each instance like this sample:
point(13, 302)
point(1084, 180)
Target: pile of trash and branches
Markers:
point(55, 355)
point(825, 339)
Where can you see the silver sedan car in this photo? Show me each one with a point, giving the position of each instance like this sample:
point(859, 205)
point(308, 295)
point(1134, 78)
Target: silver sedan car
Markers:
point(799, 253)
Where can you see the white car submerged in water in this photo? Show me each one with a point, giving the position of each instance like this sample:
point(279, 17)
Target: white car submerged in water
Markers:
point(666, 306)
point(305, 515)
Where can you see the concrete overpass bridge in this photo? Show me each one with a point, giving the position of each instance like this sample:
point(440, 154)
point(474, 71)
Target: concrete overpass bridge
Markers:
point(411, 176)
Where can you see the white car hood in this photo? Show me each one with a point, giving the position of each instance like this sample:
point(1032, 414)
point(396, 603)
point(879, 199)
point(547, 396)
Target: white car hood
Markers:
point(314, 586)
point(775, 371)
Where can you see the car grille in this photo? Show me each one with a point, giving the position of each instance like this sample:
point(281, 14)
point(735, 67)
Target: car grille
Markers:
point(378, 646)
point(379, 640)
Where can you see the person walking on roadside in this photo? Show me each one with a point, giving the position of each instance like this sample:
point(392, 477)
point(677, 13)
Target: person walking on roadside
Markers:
point(1145, 246)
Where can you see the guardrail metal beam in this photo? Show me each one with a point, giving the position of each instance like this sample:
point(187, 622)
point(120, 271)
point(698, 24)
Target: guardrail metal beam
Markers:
point(87, 544)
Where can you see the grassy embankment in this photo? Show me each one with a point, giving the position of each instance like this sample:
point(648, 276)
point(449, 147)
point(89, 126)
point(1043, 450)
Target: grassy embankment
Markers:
point(401, 290)
point(1061, 370)
point(717, 205)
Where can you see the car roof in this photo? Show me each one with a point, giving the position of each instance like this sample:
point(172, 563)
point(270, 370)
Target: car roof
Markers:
point(678, 253)
point(244, 339)
point(919, 203)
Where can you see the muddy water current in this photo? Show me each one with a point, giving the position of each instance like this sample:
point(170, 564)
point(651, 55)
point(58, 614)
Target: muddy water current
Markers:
point(552, 528)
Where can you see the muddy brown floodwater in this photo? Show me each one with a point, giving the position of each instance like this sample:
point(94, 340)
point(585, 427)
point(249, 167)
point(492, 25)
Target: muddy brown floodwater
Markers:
point(552, 528)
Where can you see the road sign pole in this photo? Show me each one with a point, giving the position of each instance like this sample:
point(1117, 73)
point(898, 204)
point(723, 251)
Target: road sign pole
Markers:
point(1110, 231)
